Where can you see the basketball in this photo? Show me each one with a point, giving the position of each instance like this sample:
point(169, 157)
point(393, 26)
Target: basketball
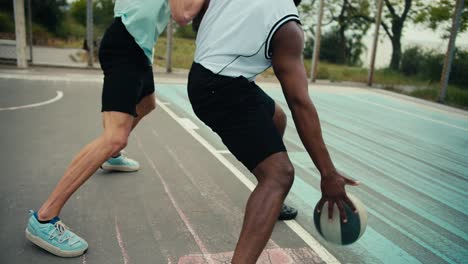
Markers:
point(337, 232)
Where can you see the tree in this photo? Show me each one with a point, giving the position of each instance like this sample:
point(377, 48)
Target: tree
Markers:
point(397, 21)
point(351, 28)
point(48, 13)
point(438, 15)
point(396, 14)
point(103, 12)
point(349, 22)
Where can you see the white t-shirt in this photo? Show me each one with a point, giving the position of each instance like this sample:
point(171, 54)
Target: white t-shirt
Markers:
point(235, 36)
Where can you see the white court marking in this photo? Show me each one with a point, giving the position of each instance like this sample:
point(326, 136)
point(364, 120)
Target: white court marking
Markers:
point(55, 99)
point(298, 229)
point(408, 113)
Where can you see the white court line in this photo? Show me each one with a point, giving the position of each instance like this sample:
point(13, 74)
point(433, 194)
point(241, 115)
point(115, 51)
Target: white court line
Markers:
point(223, 151)
point(68, 77)
point(408, 113)
point(188, 124)
point(322, 252)
point(121, 243)
point(58, 97)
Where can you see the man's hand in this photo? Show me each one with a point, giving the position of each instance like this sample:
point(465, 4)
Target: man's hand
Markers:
point(184, 11)
point(333, 192)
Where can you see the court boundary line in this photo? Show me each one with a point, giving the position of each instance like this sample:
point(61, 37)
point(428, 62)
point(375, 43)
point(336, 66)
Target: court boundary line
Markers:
point(53, 100)
point(321, 251)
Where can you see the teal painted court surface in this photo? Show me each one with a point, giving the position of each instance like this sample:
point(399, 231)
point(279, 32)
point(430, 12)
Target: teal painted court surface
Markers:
point(411, 159)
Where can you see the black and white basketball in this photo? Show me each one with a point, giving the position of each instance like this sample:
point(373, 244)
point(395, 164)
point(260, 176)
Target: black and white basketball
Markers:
point(337, 232)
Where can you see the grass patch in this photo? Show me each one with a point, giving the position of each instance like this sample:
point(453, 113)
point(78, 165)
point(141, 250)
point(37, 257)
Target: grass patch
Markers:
point(455, 95)
point(182, 55)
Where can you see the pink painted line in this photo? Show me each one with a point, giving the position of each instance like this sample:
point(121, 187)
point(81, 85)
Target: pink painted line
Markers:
point(268, 256)
point(118, 235)
point(181, 213)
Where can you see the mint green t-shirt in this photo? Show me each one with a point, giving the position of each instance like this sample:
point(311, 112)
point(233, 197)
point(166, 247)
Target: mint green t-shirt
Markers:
point(145, 20)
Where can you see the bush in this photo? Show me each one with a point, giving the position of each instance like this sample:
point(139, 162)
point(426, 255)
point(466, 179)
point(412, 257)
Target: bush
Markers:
point(6, 23)
point(334, 49)
point(428, 65)
point(411, 61)
point(41, 35)
point(70, 29)
point(459, 73)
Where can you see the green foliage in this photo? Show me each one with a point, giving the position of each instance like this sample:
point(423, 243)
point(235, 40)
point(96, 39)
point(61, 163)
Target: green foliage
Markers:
point(48, 13)
point(6, 23)
point(103, 13)
point(349, 54)
point(69, 28)
point(411, 61)
point(78, 11)
point(459, 72)
point(455, 95)
point(439, 15)
point(428, 65)
point(7, 6)
point(349, 21)
point(185, 32)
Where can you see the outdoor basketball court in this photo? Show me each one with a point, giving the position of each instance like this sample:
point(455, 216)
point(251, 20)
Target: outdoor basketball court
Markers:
point(186, 203)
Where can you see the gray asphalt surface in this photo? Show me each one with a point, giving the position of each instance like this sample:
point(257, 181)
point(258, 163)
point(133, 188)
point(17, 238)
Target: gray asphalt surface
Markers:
point(125, 217)
point(186, 203)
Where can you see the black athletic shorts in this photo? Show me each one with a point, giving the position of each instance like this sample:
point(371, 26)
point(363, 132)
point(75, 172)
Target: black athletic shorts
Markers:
point(128, 75)
point(239, 111)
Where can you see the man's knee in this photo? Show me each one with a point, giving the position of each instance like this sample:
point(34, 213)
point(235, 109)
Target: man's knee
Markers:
point(277, 172)
point(117, 141)
point(284, 177)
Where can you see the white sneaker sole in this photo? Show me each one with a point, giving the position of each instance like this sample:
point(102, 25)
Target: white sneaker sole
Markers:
point(119, 168)
point(52, 249)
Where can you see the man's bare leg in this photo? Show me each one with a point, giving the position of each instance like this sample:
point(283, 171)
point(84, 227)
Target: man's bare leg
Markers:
point(143, 108)
point(113, 139)
point(275, 176)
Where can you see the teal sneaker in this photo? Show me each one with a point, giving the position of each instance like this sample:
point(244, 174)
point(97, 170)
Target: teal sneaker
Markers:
point(55, 237)
point(121, 163)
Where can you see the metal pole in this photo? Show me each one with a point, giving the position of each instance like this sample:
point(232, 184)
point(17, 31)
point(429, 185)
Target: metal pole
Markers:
point(450, 50)
point(169, 46)
point(378, 20)
point(20, 31)
point(30, 31)
point(318, 33)
point(89, 32)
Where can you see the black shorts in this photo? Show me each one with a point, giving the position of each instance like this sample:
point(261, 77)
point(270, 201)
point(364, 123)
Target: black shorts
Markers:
point(239, 111)
point(128, 75)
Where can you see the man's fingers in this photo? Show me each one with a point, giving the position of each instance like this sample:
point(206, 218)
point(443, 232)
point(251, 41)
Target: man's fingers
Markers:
point(351, 182)
point(320, 205)
point(350, 203)
point(342, 211)
point(330, 209)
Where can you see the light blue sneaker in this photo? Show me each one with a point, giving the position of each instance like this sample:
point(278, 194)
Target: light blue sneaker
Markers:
point(55, 237)
point(121, 163)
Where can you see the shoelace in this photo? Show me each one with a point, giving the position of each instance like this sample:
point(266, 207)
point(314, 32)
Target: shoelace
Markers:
point(59, 231)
